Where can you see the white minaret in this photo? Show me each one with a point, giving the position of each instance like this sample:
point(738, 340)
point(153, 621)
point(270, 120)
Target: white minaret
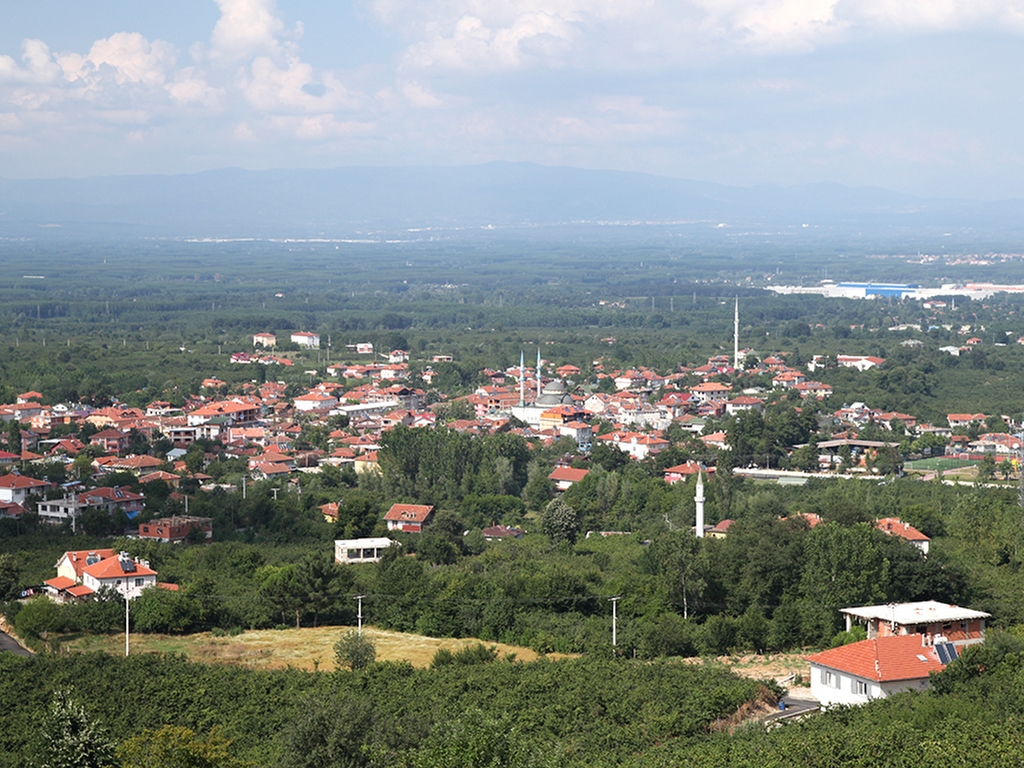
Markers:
point(699, 498)
point(736, 337)
point(522, 379)
point(538, 373)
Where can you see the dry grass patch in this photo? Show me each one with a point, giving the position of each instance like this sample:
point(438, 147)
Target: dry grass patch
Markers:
point(305, 648)
point(771, 666)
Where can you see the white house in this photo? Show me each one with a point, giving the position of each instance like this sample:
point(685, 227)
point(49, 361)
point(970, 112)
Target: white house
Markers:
point(875, 668)
point(360, 550)
point(16, 488)
point(264, 340)
point(121, 573)
point(860, 362)
point(306, 339)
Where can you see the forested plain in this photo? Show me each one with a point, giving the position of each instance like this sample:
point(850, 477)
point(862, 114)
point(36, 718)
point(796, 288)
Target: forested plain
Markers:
point(140, 321)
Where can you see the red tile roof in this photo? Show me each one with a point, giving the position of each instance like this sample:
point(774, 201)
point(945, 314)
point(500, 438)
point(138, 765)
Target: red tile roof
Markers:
point(20, 481)
point(78, 558)
point(568, 474)
point(896, 527)
point(111, 569)
point(883, 659)
point(60, 582)
point(409, 513)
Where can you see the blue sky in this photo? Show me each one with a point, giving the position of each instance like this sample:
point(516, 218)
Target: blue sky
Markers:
point(918, 96)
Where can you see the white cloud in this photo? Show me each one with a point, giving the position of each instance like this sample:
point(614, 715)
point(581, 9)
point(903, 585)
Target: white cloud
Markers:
point(271, 88)
point(419, 96)
point(472, 44)
point(40, 66)
point(189, 87)
point(247, 27)
point(129, 56)
point(485, 36)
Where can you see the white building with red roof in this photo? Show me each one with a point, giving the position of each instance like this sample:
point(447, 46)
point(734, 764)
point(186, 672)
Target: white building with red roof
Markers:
point(873, 669)
point(73, 562)
point(16, 488)
point(121, 573)
point(408, 517)
point(564, 477)
point(896, 527)
point(637, 445)
point(306, 339)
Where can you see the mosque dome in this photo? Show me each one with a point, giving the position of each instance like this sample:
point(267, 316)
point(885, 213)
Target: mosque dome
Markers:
point(554, 393)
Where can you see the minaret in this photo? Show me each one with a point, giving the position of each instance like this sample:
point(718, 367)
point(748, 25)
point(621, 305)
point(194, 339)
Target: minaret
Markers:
point(522, 379)
point(736, 337)
point(538, 373)
point(699, 498)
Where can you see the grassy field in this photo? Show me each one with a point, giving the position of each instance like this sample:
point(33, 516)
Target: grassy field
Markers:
point(939, 462)
point(305, 648)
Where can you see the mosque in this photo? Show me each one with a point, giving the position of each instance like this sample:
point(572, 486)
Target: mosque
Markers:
point(550, 396)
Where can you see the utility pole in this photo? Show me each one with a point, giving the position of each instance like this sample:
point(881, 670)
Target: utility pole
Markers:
point(360, 613)
point(615, 638)
point(127, 602)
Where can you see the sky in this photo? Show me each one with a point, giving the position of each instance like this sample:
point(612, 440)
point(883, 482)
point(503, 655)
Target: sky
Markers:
point(920, 96)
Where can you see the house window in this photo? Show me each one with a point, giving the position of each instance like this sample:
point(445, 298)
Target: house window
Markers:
point(138, 582)
point(860, 688)
point(830, 679)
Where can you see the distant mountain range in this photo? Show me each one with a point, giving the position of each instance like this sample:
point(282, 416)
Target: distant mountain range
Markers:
point(354, 201)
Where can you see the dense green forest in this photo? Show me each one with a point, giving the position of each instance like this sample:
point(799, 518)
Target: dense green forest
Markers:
point(161, 711)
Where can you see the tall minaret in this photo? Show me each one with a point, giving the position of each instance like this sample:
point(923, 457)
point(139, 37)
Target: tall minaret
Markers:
point(699, 498)
point(538, 373)
point(522, 379)
point(736, 337)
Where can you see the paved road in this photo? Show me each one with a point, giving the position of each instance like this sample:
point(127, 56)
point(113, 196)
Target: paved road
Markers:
point(8, 643)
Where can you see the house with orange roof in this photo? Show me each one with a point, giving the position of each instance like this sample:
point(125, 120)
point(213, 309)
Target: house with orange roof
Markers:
point(896, 527)
point(743, 403)
point(411, 518)
point(137, 465)
point(715, 440)
point(710, 390)
point(110, 440)
point(788, 379)
point(957, 420)
point(17, 488)
point(682, 472)
point(315, 401)
point(121, 573)
point(637, 445)
point(720, 530)
point(564, 477)
point(366, 462)
point(874, 668)
point(73, 562)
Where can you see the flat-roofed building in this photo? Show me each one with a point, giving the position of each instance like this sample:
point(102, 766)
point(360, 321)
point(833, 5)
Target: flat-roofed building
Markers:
point(360, 550)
